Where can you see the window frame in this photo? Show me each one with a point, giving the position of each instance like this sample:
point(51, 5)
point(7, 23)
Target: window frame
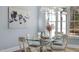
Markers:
point(56, 21)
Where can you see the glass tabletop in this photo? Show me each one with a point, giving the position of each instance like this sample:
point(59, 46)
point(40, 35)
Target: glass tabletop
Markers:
point(39, 42)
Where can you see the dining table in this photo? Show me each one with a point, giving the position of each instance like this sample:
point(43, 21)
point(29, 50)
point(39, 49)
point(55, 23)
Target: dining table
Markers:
point(41, 42)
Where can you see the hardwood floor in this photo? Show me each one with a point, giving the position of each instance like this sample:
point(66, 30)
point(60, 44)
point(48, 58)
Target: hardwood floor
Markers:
point(57, 50)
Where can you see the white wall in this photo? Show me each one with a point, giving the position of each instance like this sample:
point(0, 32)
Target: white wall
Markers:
point(9, 37)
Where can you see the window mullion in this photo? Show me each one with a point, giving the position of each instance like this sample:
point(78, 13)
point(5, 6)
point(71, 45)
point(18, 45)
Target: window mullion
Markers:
point(56, 28)
point(61, 21)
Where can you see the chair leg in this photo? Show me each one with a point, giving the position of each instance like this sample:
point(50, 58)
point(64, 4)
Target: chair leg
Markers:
point(28, 49)
point(24, 47)
point(41, 49)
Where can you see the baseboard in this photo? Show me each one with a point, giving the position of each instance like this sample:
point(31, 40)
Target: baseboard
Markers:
point(10, 49)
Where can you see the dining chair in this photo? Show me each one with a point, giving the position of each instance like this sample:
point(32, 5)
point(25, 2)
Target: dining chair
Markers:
point(73, 45)
point(45, 42)
point(45, 45)
point(60, 41)
point(24, 45)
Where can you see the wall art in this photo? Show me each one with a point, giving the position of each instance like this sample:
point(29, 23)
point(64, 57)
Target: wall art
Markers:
point(18, 17)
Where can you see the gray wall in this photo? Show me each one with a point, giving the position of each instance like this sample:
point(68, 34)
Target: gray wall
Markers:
point(9, 37)
point(41, 21)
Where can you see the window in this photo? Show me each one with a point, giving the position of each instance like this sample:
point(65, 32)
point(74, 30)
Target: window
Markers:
point(51, 18)
point(74, 21)
point(61, 22)
point(58, 19)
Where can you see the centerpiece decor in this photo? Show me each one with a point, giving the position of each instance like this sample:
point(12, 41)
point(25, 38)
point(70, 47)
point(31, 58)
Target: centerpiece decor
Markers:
point(49, 29)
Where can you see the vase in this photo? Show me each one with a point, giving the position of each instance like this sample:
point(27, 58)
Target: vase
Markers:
point(49, 28)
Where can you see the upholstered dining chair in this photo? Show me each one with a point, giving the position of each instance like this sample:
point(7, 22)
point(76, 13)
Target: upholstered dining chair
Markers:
point(24, 45)
point(73, 44)
point(60, 41)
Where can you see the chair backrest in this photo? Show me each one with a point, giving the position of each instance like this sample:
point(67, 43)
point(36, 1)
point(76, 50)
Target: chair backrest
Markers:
point(21, 39)
point(58, 33)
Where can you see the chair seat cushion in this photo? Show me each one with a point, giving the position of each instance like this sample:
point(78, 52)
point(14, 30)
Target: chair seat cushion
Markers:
point(58, 42)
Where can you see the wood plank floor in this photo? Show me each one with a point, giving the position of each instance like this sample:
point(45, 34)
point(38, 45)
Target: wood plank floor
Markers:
point(57, 50)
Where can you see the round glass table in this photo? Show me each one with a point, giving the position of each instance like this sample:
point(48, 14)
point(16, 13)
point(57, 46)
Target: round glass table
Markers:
point(41, 43)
